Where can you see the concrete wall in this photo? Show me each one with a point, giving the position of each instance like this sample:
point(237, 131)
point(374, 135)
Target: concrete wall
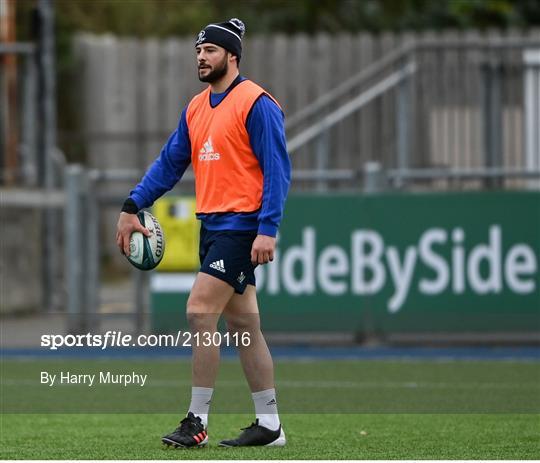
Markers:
point(20, 260)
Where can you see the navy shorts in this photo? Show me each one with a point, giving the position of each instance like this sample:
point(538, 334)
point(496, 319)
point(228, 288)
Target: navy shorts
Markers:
point(226, 254)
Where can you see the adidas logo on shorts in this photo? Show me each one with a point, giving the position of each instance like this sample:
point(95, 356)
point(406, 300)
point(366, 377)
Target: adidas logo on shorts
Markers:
point(218, 265)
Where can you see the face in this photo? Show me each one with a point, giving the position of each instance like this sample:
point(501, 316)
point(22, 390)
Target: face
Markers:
point(212, 62)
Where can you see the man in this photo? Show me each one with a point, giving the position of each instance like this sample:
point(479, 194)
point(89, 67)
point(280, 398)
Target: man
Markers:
point(233, 134)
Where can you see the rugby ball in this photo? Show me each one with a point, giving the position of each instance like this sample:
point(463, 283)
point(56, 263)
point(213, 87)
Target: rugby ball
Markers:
point(146, 252)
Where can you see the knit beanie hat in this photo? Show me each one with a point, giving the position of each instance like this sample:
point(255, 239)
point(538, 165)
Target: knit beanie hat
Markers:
point(227, 34)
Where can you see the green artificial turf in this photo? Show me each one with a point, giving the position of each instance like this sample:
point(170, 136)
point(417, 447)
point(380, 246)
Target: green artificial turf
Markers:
point(319, 386)
point(330, 410)
point(325, 436)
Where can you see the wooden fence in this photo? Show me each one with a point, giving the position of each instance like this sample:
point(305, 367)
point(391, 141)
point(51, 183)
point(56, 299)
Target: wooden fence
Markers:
point(133, 92)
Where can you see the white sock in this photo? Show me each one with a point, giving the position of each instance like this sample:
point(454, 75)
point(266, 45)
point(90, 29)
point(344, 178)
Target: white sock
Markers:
point(200, 402)
point(266, 408)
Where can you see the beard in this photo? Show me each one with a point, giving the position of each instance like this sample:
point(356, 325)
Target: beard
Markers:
point(217, 73)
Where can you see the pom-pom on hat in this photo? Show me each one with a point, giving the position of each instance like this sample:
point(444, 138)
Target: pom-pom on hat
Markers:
point(227, 34)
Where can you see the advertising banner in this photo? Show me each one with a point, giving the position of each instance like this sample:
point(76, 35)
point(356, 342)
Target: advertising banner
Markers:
point(443, 262)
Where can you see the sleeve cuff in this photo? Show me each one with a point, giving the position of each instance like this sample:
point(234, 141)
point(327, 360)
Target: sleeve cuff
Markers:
point(267, 229)
point(130, 206)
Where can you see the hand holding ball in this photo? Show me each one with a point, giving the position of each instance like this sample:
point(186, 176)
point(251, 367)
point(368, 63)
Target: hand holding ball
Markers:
point(145, 249)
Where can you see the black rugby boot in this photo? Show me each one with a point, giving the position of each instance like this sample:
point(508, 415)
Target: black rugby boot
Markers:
point(190, 433)
point(256, 435)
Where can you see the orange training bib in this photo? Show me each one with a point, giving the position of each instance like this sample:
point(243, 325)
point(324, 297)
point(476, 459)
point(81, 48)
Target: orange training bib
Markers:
point(228, 177)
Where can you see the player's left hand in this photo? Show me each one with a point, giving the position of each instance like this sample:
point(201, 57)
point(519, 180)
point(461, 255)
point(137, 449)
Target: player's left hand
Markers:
point(262, 250)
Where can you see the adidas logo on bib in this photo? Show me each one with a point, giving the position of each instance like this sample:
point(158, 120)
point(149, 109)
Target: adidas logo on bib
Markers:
point(218, 265)
point(206, 153)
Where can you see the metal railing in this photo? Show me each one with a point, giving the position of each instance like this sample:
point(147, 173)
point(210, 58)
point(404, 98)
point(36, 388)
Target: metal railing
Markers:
point(328, 121)
point(406, 169)
point(353, 82)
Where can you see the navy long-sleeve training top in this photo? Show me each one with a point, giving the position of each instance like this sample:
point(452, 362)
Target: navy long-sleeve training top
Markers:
point(265, 126)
